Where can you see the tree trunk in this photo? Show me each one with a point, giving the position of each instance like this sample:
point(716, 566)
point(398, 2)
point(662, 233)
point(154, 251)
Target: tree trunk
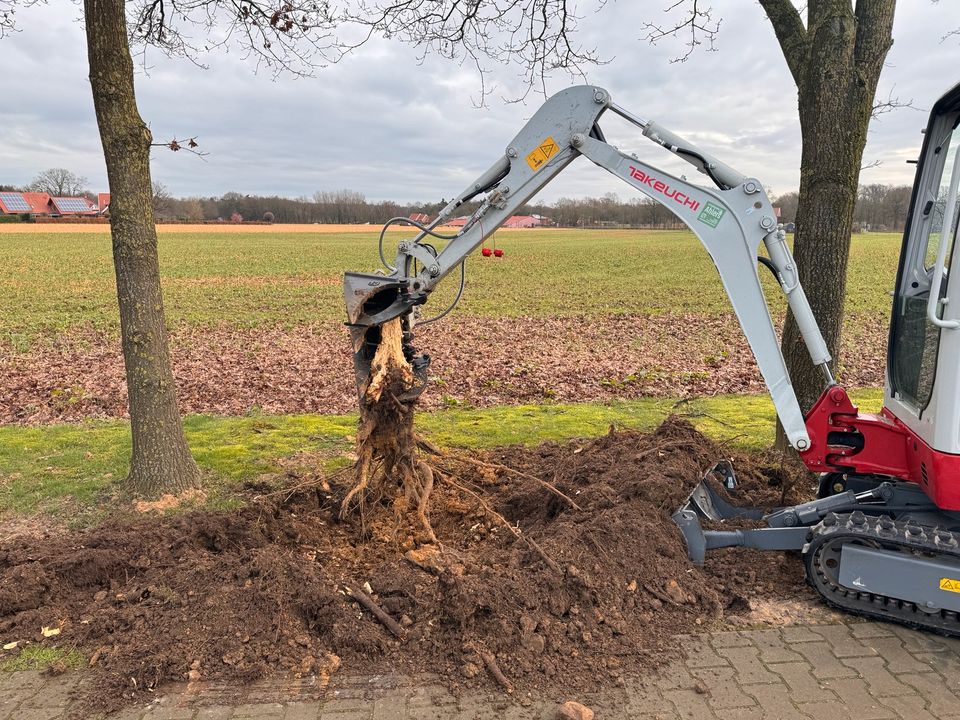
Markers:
point(161, 460)
point(836, 85)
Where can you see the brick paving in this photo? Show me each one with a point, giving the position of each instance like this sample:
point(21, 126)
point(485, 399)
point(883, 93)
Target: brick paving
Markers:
point(863, 671)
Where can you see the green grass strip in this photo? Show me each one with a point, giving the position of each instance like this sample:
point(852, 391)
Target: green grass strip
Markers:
point(62, 468)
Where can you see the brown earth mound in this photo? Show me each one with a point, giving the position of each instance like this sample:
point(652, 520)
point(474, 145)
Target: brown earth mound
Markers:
point(600, 592)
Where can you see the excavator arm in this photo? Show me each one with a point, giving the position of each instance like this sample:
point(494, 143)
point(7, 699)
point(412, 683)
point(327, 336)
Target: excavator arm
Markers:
point(731, 220)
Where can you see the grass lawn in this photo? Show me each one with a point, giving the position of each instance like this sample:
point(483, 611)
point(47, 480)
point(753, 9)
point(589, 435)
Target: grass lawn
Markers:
point(70, 468)
point(53, 281)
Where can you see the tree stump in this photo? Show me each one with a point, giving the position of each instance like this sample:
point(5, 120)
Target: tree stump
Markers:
point(388, 465)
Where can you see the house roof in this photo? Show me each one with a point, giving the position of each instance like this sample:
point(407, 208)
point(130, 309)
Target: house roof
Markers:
point(39, 202)
point(103, 201)
point(13, 202)
point(522, 221)
point(73, 205)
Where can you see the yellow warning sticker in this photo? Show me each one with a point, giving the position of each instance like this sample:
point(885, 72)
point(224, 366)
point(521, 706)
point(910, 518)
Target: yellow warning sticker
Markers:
point(950, 585)
point(546, 150)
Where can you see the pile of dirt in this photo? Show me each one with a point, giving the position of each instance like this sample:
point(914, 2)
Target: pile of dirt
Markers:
point(587, 584)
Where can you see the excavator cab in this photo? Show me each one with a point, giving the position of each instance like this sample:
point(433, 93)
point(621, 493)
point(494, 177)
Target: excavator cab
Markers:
point(923, 362)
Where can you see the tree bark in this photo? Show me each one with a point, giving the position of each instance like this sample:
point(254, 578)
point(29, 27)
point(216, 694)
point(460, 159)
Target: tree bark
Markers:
point(161, 461)
point(836, 67)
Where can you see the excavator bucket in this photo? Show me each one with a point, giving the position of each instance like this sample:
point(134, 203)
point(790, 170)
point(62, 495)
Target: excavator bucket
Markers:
point(372, 300)
point(706, 504)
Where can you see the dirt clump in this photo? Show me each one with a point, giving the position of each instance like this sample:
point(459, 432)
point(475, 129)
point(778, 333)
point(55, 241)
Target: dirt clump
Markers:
point(589, 583)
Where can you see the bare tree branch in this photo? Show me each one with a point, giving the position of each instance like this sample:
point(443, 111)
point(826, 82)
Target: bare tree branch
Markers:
point(882, 107)
point(695, 23)
point(188, 144)
point(952, 33)
point(299, 36)
point(295, 36)
point(8, 13)
point(534, 34)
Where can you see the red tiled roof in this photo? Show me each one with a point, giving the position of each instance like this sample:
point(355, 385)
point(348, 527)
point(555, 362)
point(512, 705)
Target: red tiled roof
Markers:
point(103, 201)
point(34, 203)
point(39, 202)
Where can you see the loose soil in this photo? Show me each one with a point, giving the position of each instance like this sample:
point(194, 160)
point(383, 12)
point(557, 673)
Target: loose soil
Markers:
point(478, 362)
point(264, 591)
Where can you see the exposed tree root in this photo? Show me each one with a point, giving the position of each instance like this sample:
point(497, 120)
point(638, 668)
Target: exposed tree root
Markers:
point(551, 563)
point(389, 463)
point(387, 448)
point(493, 667)
point(511, 471)
point(367, 602)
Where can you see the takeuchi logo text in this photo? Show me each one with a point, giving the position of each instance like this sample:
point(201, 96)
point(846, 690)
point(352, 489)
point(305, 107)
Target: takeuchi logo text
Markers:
point(664, 189)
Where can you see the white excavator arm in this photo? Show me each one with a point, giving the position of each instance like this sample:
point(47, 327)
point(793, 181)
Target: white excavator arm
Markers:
point(731, 222)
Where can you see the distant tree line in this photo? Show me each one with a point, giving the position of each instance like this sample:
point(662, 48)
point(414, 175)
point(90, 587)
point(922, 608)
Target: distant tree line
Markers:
point(879, 207)
point(351, 207)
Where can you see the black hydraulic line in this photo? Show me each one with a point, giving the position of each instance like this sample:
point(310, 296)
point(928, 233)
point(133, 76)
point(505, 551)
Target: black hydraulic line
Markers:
point(597, 134)
point(463, 282)
point(492, 183)
point(704, 164)
point(414, 223)
point(768, 264)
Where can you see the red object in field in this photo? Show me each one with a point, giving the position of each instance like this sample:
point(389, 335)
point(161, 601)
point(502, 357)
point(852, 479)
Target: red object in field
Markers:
point(498, 252)
point(486, 252)
point(842, 439)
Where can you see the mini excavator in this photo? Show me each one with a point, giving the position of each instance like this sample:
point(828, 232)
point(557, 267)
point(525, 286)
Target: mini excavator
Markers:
point(882, 539)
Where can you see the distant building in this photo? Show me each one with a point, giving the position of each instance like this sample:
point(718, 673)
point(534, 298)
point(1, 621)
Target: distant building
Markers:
point(39, 204)
point(421, 218)
point(73, 206)
point(13, 203)
point(527, 221)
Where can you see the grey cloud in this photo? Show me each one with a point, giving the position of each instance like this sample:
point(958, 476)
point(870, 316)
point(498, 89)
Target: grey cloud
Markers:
point(385, 125)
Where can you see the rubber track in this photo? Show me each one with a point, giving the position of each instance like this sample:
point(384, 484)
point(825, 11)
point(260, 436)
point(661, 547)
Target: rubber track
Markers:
point(837, 529)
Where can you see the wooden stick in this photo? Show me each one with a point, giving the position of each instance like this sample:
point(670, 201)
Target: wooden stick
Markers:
point(519, 473)
point(491, 662)
point(377, 611)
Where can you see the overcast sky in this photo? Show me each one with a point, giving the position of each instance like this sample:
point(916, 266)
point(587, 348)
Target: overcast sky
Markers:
point(384, 125)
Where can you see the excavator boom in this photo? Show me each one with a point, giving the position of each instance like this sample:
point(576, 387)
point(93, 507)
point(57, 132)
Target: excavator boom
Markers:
point(731, 219)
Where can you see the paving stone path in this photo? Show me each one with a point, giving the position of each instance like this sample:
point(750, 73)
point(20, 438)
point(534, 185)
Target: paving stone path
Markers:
point(856, 670)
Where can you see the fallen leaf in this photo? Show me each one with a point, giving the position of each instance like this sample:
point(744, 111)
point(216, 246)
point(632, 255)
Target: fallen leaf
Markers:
point(11, 645)
point(49, 632)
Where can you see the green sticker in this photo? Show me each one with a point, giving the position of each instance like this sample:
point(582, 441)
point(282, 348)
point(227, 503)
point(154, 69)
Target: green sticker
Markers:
point(711, 214)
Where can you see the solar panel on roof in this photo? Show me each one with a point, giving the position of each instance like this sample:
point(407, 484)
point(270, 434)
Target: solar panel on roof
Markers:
point(14, 202)
point(72, 205)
